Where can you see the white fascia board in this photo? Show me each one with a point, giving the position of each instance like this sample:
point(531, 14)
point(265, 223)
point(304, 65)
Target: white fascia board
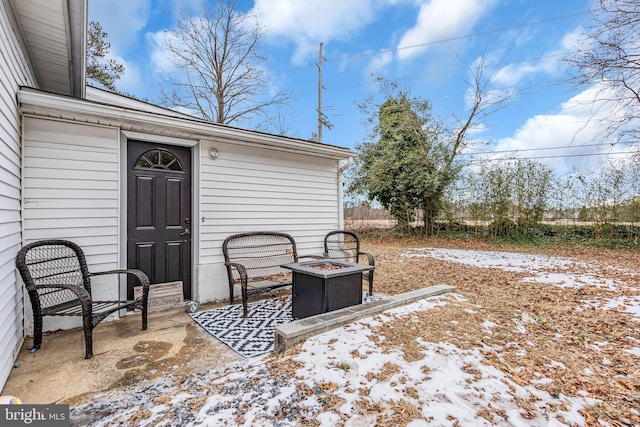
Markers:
point(78, 36)
point(50, 105)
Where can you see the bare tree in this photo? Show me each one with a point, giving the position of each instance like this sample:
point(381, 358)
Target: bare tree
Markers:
point(219, 72)
point(610, 58)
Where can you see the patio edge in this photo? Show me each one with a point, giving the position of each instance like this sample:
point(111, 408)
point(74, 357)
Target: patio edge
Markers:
point(289, 334)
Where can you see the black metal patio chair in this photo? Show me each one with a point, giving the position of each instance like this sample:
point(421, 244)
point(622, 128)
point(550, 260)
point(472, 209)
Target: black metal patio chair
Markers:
point(345, 246)
point(58, 281)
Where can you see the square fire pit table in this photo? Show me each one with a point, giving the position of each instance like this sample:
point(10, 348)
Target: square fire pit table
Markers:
point(324, 285)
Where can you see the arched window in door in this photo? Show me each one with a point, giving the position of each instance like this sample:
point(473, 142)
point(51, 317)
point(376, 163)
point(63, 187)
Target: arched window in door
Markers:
point(158, 158)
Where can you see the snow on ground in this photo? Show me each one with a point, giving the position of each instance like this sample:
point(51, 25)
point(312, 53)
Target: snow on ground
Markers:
point(447, 383)
point(331, 380)
point(544, 269)
point(557, 271)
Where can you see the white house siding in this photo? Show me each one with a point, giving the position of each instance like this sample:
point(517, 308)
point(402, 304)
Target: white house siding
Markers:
point(14, 71)
point(71, 191)
point(258, 182)
point(250, 189)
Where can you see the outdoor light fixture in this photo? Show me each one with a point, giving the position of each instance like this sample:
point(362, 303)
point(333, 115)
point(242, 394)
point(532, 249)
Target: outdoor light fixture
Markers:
point(213, 153)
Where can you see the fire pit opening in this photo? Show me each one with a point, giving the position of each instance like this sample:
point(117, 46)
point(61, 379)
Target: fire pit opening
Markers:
point(327, 266)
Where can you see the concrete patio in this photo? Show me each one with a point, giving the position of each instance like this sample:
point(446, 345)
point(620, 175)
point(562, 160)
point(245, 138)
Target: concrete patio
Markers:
point(173, 344)
point(123, 354)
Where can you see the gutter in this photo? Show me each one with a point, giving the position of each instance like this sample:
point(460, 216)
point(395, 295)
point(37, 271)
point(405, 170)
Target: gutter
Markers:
point(340, 181)
point(45, 104)
point(345, 166)
point(78, 12)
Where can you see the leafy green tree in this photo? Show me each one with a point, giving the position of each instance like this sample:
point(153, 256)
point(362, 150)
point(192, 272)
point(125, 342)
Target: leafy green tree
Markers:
point(606, 191)
point(533, 183)
point(407, 167)
point(410, 157)
point(516, 193)
point(99, 68)
point(583, 213)
point(497, 183)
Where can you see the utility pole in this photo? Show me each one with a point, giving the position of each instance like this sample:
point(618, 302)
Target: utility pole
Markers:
point(320, 118)
point(323, 121)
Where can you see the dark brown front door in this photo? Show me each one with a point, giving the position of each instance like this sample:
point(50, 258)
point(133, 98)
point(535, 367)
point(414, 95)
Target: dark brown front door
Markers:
point(159, 212)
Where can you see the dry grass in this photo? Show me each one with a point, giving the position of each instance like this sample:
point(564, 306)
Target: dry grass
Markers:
point(581, 350)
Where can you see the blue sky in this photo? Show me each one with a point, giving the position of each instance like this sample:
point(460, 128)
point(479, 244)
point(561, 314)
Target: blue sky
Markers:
point(426, 45)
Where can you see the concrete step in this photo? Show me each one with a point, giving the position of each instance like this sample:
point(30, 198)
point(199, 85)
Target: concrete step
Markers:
point(289, 334)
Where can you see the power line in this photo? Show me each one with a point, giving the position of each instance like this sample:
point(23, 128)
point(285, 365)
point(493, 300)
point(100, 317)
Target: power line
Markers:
point(533, 149)
point(447, 40)
point(550, 157)
point(440, 73)
point(467, 36)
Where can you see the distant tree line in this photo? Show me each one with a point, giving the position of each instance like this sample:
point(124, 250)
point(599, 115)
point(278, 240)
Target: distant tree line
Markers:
point(524, 200)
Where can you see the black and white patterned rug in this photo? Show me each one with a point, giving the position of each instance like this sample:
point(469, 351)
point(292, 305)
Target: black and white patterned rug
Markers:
point(254, 335)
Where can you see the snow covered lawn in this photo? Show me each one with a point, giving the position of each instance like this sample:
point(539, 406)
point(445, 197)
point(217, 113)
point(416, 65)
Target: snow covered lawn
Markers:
point(527, 340)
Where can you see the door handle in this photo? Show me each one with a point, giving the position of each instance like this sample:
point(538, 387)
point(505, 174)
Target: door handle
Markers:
point(185, 232)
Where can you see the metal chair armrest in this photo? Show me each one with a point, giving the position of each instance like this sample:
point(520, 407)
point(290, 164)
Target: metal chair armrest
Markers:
point(244, 278)
point(242, 272)
point(139, 274)
point(370, 259)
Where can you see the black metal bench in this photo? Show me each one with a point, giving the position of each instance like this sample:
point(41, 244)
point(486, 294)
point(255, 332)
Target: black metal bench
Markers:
point(253, 260)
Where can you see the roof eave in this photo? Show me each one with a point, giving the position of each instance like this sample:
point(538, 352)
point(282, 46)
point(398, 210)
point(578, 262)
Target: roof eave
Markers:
point(78, 27)
point(51, 105)
point(53, 37)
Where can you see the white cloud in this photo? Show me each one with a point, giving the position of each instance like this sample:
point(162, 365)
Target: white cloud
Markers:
point(495, 97)
point(551, 63)
point(131, 79)
point(566, 139)
point(160, 57)
point(308, 23)
point(378, 62)
point(175, 8)
point(512, 74)
point(573, 40)
point(121, 20)
point(439, 20)
point(520, 37)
